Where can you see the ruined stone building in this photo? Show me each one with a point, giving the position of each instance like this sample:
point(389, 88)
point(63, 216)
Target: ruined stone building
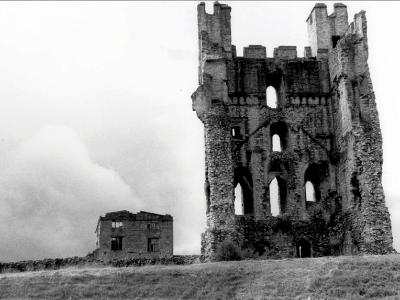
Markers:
point(321, 134)
point(122, 235)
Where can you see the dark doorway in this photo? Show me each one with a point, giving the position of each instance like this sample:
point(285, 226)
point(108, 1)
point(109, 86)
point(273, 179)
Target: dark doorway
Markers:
point(335, 39)
point(116, 243)
point(261, 247)
point(303, 248)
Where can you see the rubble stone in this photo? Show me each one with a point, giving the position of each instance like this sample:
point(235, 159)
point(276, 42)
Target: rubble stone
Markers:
point(329, 132)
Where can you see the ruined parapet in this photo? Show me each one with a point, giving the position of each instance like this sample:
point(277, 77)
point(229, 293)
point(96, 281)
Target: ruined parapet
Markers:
point(327, 126)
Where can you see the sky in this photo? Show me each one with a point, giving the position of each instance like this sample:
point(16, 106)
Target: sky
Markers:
point(96, 113)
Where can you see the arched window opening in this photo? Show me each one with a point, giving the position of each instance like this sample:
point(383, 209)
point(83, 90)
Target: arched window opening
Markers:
point(315, 177)
point(279, 134)
point(274, 197)
point(243, 191)
point(303, 248)
point(310, 192)
point(238, 200)
point(272, 98)
point(276, 143)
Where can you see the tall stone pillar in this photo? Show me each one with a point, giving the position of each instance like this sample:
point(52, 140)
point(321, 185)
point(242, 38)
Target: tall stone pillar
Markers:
point(359, 140)
point(210, 103)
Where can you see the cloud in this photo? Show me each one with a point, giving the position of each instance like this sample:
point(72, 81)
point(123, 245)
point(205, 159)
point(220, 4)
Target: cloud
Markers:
point(52, 193)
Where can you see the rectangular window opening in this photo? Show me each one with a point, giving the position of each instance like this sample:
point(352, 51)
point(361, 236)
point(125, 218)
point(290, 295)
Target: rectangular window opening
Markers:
point(153, 245)
point(116, 224)
point(116, 243)
point(153, 226)
point(236, 132)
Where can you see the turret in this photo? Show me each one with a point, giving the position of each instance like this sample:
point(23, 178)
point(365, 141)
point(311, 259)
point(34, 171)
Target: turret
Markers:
point(324, 31)
point(214, 34)
point(209, 101)
point(339, 20)
point(318, 29)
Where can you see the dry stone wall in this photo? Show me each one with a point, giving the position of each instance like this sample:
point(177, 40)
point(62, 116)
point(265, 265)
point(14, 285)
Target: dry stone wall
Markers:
point(90, 261)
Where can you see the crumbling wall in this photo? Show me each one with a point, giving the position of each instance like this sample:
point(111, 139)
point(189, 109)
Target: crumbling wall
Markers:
point(359, 141)
point(135, 233)
point(209, 102)
point(328, 127)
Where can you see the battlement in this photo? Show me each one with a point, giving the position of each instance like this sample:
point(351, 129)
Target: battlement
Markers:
point(255, 51)
point(285, 52)
point(281, 52)
point(260, 52)
point(217, 7)
point(215, 40)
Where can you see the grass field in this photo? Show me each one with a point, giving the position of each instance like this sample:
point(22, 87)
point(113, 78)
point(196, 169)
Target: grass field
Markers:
point(366, 277)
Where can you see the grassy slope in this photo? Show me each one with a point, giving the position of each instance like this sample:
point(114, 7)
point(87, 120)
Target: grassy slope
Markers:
point(313, 278)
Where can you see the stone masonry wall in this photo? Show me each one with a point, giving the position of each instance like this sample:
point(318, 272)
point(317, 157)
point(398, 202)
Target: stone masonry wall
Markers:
point(135, 232)
point(328, 127)
point(359, 140)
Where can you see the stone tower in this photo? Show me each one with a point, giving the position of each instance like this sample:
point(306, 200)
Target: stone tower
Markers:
point(327, 124)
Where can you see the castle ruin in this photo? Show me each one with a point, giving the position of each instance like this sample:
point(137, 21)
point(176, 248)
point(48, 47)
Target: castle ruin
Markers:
point(327, 126)
point(124, 235)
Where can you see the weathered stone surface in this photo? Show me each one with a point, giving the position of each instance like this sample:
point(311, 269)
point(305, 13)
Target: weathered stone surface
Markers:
point(135, 233)
point(328, 126)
